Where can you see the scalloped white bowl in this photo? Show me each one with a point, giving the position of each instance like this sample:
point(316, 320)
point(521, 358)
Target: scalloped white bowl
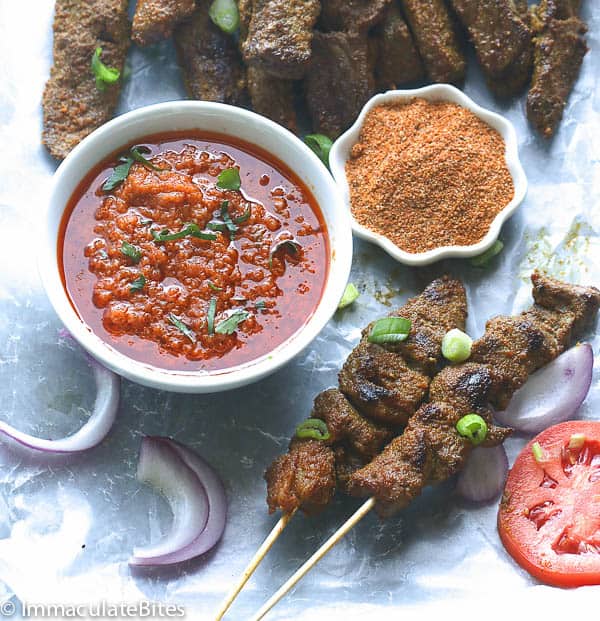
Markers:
point(438, 92)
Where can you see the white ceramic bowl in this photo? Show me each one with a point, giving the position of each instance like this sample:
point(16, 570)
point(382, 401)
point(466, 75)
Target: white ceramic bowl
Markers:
point(437, 92)
point(223, 119)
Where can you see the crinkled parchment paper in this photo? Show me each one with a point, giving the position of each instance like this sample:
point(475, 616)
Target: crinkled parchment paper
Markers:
point(67, 525)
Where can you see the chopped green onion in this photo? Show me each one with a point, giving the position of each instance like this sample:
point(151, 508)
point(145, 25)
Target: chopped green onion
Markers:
point(191, 229)
point(214, 287)
point(229, 325)
point(289, 245)
point(138, 284)
point(390, 330)
point(456, 345)
point(350, 294)
point(538, 453)
point(104, 75)
point(321, 145)
point(313, 428)
point(210, 318)
point(225, 14)
point(472, 427)
point(229, 179)
point(131, 251)
point(576, 441)
point(182, 327)
point(484, 260)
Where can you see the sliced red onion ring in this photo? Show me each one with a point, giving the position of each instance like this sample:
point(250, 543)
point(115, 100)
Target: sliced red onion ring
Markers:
point(95, 429)
point(553, 394)
point(195, 494)
point(484, 474)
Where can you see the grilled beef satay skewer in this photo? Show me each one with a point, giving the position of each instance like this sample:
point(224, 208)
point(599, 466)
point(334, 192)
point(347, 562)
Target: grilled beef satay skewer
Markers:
point(388, 382)
point(430, 450)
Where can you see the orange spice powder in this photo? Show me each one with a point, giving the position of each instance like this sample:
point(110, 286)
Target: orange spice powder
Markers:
point(427, 174)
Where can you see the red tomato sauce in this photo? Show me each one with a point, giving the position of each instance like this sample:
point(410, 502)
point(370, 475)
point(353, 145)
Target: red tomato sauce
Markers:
point(155, 307)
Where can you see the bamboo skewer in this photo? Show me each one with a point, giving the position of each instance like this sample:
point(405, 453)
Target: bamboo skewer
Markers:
point(315, 558)
point(255, 562)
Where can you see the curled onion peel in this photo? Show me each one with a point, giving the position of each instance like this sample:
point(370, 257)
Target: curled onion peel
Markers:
point(553, 394)
point(196, 497)
point(484, 474)
point(95, 429)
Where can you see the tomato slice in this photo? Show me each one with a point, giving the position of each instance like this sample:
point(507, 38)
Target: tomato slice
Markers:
point(549, 516)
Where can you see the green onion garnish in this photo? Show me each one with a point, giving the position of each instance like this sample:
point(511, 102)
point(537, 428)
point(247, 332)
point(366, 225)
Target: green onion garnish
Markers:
point(229, 179)
point(313, 428)
point(290, 246)
point(225, 14)
point(131, 251)
point(484, 260)
point(120, 172)
point(350, 294)
point(456, 345)
point(321, 145)
point(472, 427)
point(104, 75)
point(182, 327)
point(576, 441)
point(210, 317)
point(390, 330)
point(191, 229)
point(538, 453)
point(214, 287)
point(229, 325)
point(138, 284)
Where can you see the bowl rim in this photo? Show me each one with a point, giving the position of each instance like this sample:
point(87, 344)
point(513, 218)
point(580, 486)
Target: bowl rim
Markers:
point(317, 179)
point(436, 92)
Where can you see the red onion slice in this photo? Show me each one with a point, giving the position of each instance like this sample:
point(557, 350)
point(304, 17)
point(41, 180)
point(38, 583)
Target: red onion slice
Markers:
point(195, 494)
point(484, 474)
point(95, 429)
point(553, 394)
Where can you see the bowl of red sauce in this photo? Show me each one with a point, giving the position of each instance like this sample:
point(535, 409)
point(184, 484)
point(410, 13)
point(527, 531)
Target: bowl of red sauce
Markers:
point(194, 246)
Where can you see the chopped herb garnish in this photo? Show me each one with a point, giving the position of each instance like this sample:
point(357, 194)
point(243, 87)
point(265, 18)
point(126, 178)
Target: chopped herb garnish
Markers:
point(231, 227)
point(131, 251)
point(313, 428)
point(321, 145)
point(538, 453)
point(229, 179)
point(210, 318)
point(456, 345)
point(261, 305)
point(350, 294)
point(136, 154)
point(225, 14)
point(217, 225)
point(214, 287)
point(145, 221)
point(182, 327)
point(138, 284)
point(484, 260)
point(229, 325)
point(120, 172)
point(191, 229)
point(245, 216)
point(390, 330)
point(290, 246)
point(104, 75)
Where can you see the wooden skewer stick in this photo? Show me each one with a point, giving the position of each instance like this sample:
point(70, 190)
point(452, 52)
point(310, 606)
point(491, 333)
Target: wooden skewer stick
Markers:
point(255, 562)
point(315, 558)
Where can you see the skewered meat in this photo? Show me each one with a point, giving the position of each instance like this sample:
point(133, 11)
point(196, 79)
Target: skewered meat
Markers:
point(436, 38)
point(351, 15)
point(279, 36)
point(502, 41)
point(339, 82)
point(211, 64)
point(431, 449)
point(559, 50)
point(154, 20)
point(73, 105)
point(306, 476)
point(272, 97)
point(398, 60)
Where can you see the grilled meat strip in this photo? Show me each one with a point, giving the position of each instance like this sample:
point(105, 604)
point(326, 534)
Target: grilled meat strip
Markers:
point(154, 20)
point(502, 40)
point(211, 63)
point(306, 476)
point(279, 36)
point(559, 39)
point(73, 105)
point(436, 39)
point(431, 449)
point(398, 60)
point(351, 15)
point(340, 81)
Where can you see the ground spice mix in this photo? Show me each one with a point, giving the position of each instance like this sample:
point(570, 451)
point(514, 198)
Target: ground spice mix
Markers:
point(427, 174)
